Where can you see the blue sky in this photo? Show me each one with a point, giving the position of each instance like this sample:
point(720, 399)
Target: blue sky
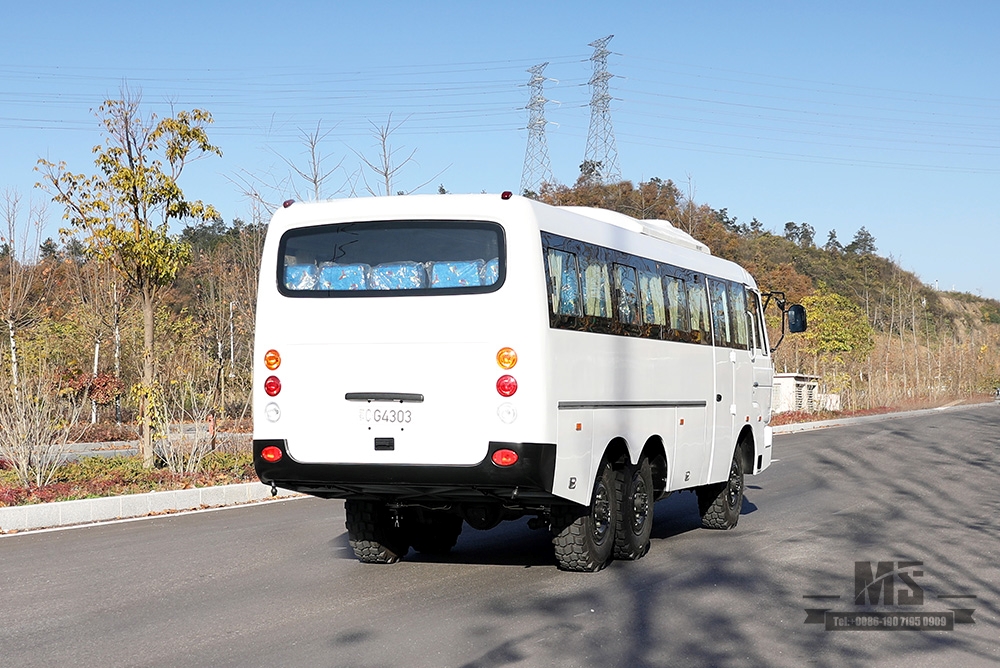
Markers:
point(837, 114)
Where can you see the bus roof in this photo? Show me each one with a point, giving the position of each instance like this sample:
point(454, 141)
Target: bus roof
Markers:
point(661, 229)
point(499, 207)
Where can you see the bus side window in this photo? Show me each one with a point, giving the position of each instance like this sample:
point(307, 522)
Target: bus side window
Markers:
point(720, 313)
point(596, 288)
point(701, 330)
point(627, 293)
point(677, 299)
point(654, 309)
point(738, 300)
point(564, 283)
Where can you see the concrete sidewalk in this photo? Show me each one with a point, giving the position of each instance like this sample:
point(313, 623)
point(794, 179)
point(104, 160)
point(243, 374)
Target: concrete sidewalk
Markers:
point(89, 511)
point(880, 417)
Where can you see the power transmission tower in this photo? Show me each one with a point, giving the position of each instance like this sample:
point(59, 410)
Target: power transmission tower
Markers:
point(536, 157)
point(601, 159)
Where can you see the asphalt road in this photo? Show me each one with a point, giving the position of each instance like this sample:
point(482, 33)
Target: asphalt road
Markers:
point(277, 585)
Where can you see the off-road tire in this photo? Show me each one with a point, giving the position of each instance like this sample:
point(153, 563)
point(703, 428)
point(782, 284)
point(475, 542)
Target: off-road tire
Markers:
point(720, 503)
point(635, 510)
point(373, 534)
point(584, 537)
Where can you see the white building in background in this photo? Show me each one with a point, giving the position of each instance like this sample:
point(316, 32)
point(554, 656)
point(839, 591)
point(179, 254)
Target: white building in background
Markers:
point(800, 392)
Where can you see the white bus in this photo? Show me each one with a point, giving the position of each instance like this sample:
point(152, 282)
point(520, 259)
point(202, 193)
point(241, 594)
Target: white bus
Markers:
point(440, 360)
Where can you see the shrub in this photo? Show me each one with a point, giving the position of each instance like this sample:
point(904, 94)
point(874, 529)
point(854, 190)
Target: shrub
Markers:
point(110, 476)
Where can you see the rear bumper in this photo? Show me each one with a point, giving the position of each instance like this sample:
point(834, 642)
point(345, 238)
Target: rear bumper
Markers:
point(529, 479)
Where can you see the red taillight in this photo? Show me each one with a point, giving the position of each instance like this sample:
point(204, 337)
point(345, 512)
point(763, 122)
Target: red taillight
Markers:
point(272, 386)
point(506, 385)
point(271, 453)
point(504, 457)
point(506, 194)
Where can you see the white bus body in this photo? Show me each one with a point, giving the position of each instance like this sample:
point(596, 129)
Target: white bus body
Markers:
point(642, 367)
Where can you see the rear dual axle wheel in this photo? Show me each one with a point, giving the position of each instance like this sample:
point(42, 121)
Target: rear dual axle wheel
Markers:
point(380, 537)
point(617, 523)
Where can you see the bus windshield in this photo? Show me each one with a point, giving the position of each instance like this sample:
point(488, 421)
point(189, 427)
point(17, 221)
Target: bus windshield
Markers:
point(382, 258)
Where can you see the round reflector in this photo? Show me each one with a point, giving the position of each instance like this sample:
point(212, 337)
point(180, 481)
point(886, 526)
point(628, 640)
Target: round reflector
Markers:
point(271, 453)
point(272, 360)
point(504, 457)
point(506, 358)
point(506, 412)
point(506, 385)
point(272, 386)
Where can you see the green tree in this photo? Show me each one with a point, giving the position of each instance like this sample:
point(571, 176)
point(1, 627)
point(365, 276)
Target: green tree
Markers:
point(833, 245)
point(125, 210)
point(837, 326)
point(862, 244)
point(839, 337)
point(48, 249)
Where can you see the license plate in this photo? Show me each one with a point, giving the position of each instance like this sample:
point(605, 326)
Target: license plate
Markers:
point(399, 416)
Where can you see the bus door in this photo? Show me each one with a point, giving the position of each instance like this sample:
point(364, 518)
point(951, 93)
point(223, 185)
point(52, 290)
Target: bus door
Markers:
point(762, 370)
point(725, 378)
point(743, 370)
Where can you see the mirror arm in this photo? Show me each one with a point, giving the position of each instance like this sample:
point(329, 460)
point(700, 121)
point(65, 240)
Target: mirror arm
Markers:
point(779, 300)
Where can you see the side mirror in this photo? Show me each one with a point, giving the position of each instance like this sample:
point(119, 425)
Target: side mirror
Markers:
point(796, 318)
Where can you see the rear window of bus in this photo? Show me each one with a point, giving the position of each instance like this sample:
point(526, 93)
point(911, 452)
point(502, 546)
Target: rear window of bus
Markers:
point(391, 258)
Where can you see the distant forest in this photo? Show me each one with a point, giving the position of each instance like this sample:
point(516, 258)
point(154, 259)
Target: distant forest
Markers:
point(877, 335)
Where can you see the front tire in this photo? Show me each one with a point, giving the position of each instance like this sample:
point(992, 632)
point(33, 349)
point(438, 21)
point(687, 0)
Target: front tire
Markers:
point(584, 537)
point(635, 514)
point(720, 503)
point(373, 533)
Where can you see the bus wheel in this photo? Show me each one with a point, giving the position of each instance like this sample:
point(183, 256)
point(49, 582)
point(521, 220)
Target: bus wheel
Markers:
point(432, 532)
point(373, 533)
point(720, 503)
point(635, 515)
point(584, 537)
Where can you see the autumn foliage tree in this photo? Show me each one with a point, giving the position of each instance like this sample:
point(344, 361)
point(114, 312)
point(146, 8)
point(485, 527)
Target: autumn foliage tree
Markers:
point(124, 211)
point(839, 337)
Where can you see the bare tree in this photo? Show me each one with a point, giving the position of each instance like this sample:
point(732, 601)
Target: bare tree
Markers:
point(315, 173)
point(386, 165)
point(100, 312)
point(268, 191)
point(688, 220)
point(36, 425)
point(19, 298)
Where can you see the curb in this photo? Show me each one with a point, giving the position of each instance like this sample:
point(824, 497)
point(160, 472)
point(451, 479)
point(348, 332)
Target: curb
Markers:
point(827, 424)
point(89, 511)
